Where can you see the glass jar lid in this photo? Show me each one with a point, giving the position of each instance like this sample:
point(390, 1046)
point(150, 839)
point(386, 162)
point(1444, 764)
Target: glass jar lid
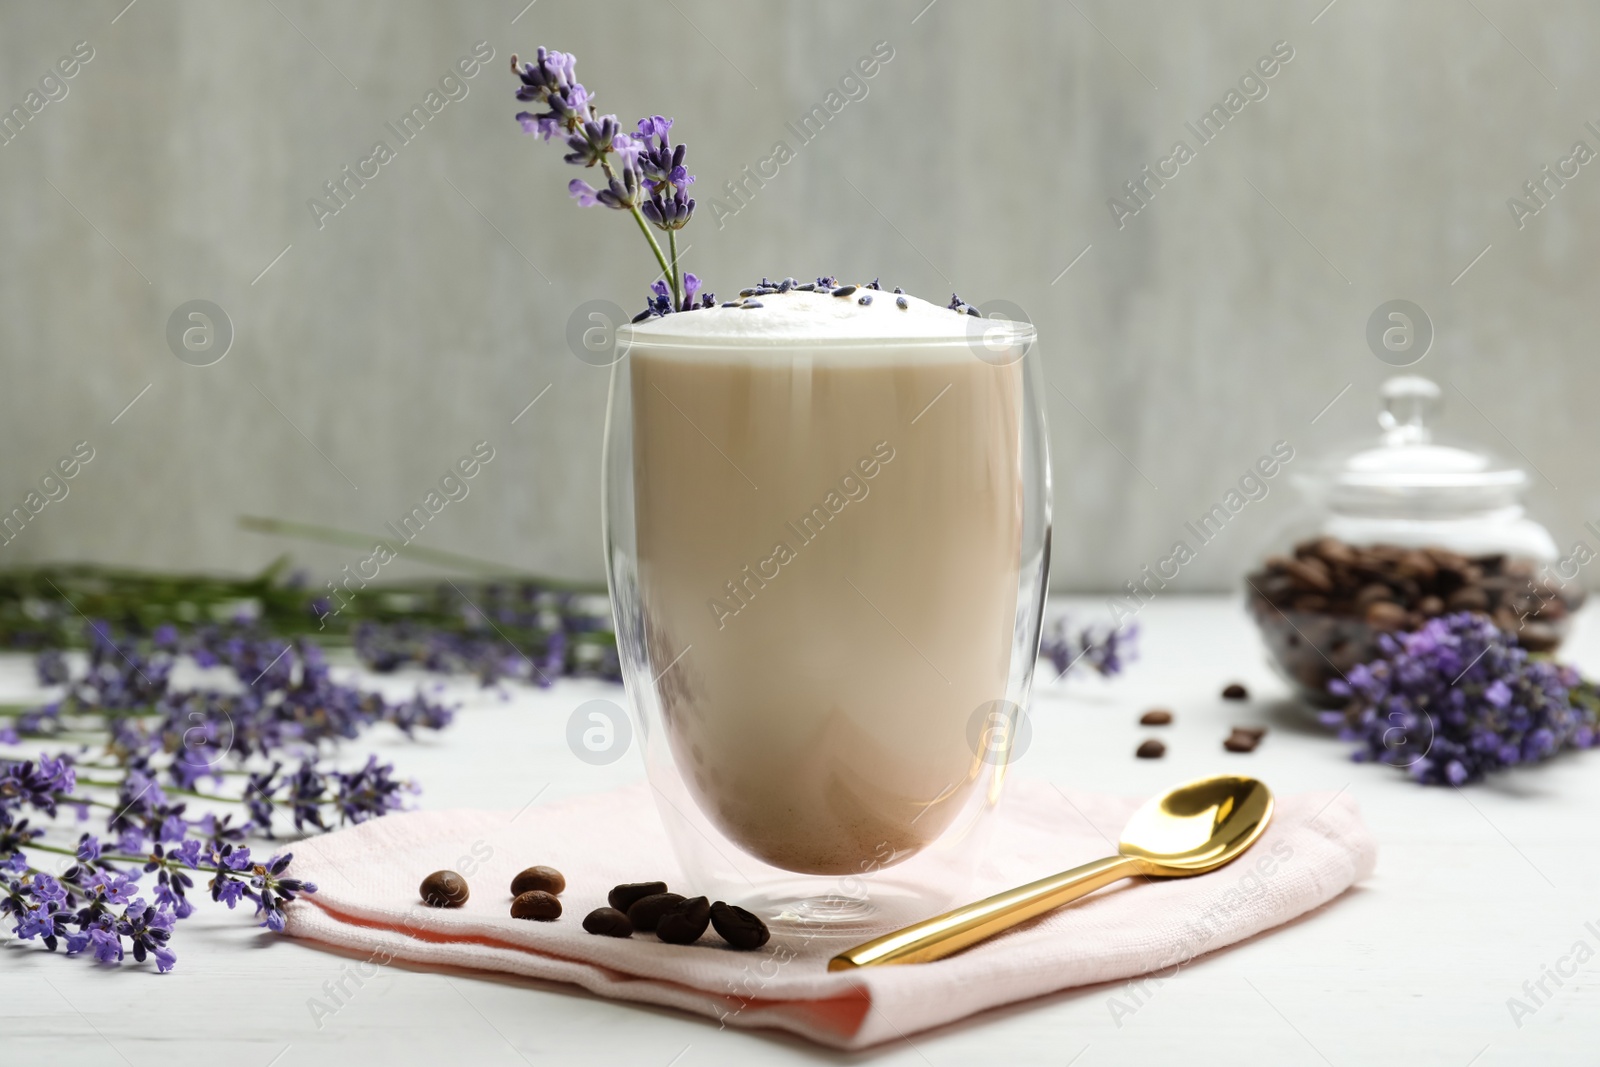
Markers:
point(1409, 473)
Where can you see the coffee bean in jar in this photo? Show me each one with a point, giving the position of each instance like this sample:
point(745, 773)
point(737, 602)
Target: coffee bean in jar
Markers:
point(1322, 608)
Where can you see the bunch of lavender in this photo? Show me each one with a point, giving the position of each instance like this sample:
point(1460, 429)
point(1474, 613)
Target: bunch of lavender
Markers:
point(515, 630)
point(1459, 698)
point(1102, 649)
point(141, 750)
point(497, 627)
point(644, 171)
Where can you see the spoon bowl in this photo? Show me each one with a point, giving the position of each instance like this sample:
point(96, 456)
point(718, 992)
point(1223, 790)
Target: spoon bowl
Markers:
point(1197, 826)
point(1192, 828)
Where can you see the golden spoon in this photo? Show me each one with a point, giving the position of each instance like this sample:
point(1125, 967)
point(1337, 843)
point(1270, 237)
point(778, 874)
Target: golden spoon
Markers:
point(1194, 828)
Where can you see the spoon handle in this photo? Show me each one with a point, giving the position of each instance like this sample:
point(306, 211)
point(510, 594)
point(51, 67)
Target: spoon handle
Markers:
point(943, 935)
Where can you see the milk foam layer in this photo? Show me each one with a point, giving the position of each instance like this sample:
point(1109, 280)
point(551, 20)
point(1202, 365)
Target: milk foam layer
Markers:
point(815, 316)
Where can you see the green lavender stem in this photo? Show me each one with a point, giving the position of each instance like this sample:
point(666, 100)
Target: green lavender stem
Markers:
point(118, 857)
point(94, 783)
point(677, 277)
point(668, 270)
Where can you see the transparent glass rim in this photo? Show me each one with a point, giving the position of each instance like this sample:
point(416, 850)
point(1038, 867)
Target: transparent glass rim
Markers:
point(1022, 333)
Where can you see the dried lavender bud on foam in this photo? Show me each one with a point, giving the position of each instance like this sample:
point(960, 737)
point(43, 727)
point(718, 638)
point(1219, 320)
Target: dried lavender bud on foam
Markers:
point(802, 314)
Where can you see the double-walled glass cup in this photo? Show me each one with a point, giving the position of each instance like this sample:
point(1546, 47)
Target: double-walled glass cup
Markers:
point(827, 559)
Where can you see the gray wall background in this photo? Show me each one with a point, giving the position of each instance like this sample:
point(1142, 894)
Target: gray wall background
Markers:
point(1226, 315)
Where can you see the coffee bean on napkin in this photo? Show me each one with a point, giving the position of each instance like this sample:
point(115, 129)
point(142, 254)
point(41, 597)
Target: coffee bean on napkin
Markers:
point(685, 921)
point(536, 904)
point(548, 879)
point(623, 896)
point(739, 928)
point(1156, 717)
point(1235, 691)
point(1151, 749)
point(647, 911)
point(444, 889)
point(608, 922)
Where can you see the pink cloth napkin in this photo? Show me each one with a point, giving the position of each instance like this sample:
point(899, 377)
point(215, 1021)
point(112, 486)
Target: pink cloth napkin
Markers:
point(367, 903)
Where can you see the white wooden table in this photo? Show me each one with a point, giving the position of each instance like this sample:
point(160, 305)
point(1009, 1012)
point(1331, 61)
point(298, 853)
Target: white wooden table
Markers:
point(1476, 893)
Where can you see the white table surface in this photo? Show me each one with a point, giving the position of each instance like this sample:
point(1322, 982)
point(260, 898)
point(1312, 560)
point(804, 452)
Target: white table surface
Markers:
point(1475, 893)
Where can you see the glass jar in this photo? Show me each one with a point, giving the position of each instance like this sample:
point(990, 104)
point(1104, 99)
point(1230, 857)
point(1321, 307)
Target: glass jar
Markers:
point(827, 558)
point(1396, 533)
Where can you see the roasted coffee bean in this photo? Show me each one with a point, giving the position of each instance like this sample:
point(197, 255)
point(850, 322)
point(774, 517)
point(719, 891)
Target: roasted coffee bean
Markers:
point(444, 889)
point(546, 878)
point(1385, 615)
point(1539, 637)
point(1151, 749)
point(623, 896)
point(608, 922)
point(685, 921)
point(1310, 574)
point(1419, 566)
point(1430, 606)
point(1235, 691)
point(1335, 551)
point(646, 912)
point(1373, 593)
point(536, 904)
point(1469, 598)
point(1155, 717)
point(1278, 588)
point(1244, 738)
point(1448, 560)
point(739, 928)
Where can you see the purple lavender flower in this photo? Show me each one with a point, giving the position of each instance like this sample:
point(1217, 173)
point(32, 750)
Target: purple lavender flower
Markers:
point(273, 891)
point(168, 896)
point(37, 921)
point(147, 927)
point(620, 195)
point(670, 211)
point(584, 193)
point(666, 178)
point(1102, 649)
point(112, 887)
point(644, 172)
point(104, 939)
point(226, 889)
point(594, 140)
point(551, 80)
point(368, 792)
point(37, 784)
point(307, 787)
point(50, 666)
point(659, 158)
point(47, 889)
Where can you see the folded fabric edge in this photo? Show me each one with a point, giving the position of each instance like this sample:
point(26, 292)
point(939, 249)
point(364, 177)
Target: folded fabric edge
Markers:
point(833, 1021)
